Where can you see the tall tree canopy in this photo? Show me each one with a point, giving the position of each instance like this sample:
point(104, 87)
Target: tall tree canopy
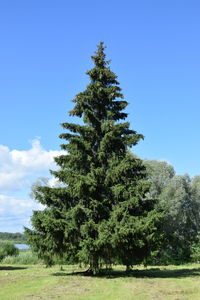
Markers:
point(159, 175)
point(101, 213)
point(179, 198)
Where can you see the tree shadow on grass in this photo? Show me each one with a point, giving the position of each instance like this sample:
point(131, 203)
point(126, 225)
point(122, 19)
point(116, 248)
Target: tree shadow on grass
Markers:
point(9, 268)
point(147, 273)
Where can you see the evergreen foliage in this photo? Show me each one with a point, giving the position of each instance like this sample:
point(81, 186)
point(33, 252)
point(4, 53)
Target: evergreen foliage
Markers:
point(101, 213)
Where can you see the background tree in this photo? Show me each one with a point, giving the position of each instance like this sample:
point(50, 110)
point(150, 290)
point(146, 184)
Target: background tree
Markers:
point(159, 174)
point(195, 192)
point(180, 225)
point(179, 198)
point(16, 238)
point(101, 213)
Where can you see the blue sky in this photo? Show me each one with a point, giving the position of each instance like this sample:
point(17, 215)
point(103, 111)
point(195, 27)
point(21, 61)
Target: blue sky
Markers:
point(45, 51)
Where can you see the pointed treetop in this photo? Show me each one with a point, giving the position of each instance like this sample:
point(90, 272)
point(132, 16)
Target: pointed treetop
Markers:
point(99, 58)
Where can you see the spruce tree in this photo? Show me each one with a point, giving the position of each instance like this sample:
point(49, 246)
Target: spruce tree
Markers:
point(101, 214)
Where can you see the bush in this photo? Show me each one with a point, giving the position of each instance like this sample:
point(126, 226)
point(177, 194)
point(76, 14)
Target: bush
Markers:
point(24, 258)
point(7, 248)
point(195, 255)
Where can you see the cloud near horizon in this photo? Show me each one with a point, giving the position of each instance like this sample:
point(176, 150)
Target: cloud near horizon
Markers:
point(16, 166)
point(18, 171)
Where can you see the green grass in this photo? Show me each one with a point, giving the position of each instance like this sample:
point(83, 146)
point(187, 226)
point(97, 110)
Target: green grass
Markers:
point(37, 282)
point(25, 257)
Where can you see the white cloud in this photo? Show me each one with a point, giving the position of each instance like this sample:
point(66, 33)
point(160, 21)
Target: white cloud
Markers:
point(34, 159)
point(18, 171)
point(12, 206)
point(15, 212)
point(16, 166)
point(53, 182)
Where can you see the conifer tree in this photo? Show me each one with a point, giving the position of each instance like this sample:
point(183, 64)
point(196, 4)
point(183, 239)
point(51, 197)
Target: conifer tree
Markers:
point(101, 213)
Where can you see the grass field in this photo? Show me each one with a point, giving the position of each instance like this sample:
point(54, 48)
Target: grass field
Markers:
point(37, 282)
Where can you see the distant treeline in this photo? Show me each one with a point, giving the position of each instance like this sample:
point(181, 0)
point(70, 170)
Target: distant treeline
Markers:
point(14, 237)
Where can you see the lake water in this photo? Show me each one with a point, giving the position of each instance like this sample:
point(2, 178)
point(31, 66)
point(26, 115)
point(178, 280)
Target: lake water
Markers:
point(22, 246)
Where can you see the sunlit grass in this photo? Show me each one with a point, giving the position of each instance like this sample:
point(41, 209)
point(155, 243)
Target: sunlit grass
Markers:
point(38, 282)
